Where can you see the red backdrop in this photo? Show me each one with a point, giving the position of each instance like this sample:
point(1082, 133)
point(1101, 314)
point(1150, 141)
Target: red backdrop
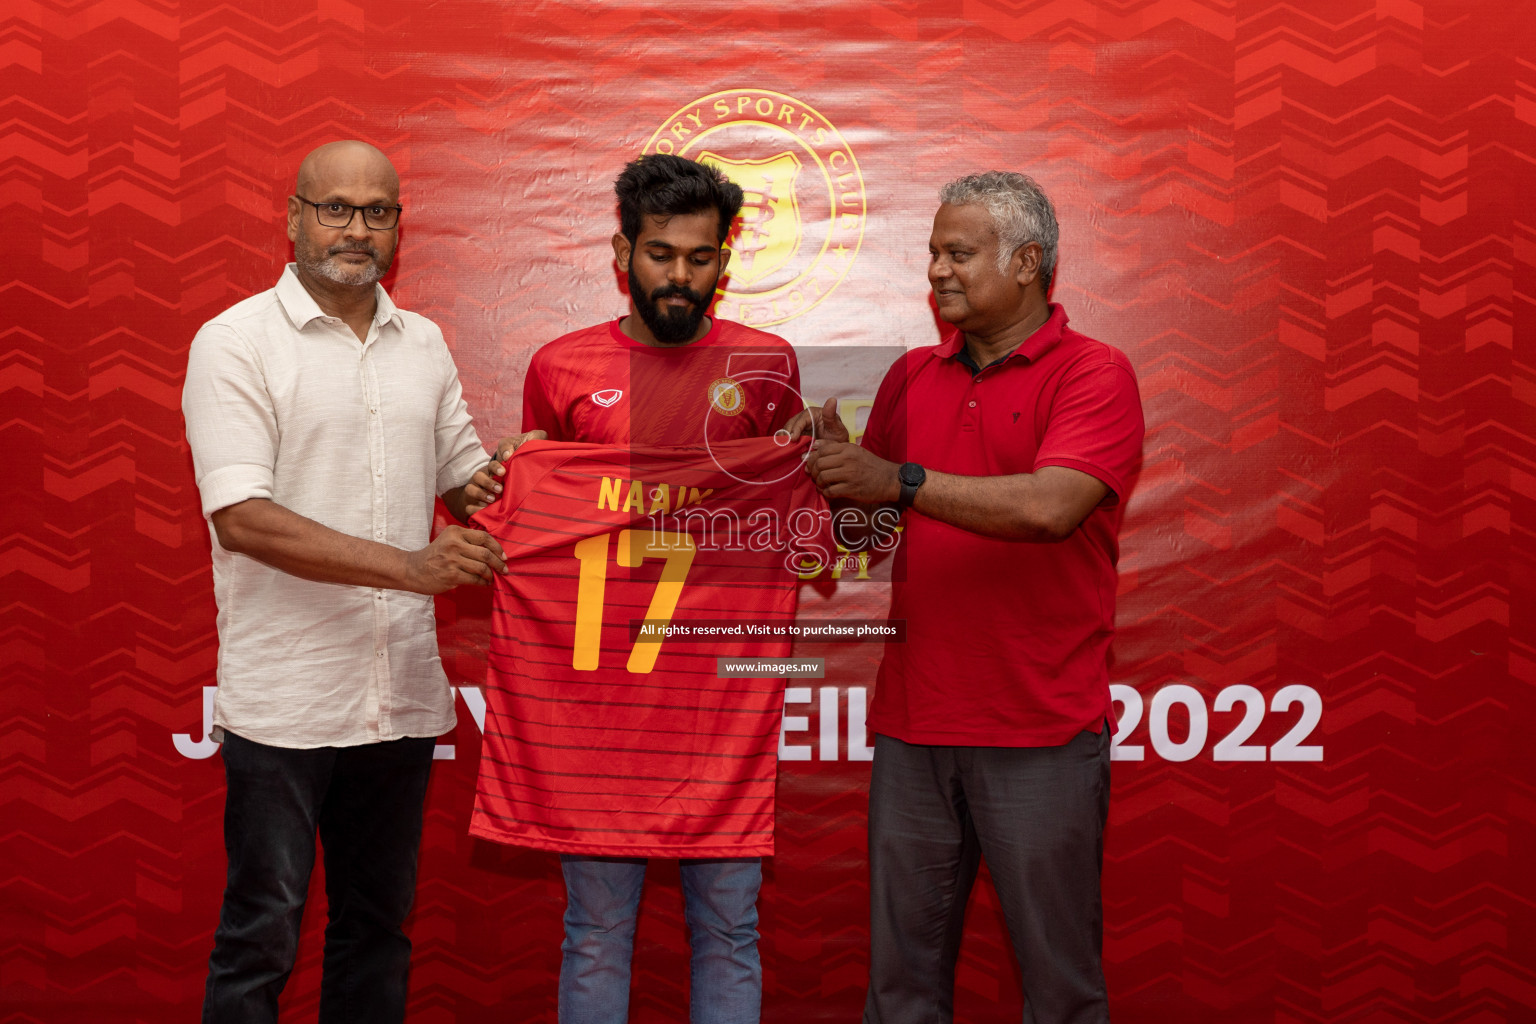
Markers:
point(1309, 225)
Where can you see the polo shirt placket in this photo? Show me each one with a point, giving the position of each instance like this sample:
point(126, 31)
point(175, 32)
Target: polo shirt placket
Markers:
point(974, 419)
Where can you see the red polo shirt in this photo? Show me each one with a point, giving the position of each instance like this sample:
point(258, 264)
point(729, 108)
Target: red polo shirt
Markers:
point(1007, 641)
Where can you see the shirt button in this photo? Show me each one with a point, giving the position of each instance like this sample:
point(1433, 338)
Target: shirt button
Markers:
point(373, 412)
point(380, 472)
point(973, 405)
point(381, 654)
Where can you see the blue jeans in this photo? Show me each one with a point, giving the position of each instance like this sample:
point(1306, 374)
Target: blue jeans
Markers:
point(602, 905)
point(366, 803)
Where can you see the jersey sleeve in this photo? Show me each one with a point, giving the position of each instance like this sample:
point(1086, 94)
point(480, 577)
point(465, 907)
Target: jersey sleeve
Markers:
point(538, 412)
point(810, 526)
point(1096, 426)
point(523, 475)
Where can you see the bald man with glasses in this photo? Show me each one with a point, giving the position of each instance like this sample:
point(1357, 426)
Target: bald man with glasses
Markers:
point(322, 420)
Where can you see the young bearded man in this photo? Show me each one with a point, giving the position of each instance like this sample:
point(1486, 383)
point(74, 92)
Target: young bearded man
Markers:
point(666, 374)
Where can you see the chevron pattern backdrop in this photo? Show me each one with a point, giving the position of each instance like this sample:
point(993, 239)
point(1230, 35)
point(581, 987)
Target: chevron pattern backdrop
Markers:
point(1309, 225)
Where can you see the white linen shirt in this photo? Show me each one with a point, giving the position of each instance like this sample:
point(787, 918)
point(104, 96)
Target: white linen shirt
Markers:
point(282, 402)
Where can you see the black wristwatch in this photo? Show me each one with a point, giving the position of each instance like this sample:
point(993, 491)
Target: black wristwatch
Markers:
point(911, 476)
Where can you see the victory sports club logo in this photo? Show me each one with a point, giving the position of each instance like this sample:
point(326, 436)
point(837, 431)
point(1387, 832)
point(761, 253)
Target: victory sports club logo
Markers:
point(803, 219)
point(725, 397)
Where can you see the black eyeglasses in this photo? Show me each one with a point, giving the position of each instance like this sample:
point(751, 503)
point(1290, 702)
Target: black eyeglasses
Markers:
point(339, 215)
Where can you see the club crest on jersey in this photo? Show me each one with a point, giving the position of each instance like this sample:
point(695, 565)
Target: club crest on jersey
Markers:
point(725, 397)
point(607, 398)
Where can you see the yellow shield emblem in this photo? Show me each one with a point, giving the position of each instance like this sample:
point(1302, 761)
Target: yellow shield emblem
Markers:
point(766, 234)
point(726, 397)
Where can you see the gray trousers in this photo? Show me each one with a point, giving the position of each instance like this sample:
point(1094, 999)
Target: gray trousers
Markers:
point(1037, 814)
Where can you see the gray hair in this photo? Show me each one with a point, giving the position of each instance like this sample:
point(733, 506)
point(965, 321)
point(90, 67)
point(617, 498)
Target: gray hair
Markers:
point(1021, 212)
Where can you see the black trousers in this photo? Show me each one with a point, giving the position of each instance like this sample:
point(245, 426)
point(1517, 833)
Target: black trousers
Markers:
point(1037, 814)
point(366, 802)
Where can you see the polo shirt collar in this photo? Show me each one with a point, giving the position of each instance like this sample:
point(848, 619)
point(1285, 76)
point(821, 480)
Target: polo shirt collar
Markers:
point(302, 308)
point(1045, 337)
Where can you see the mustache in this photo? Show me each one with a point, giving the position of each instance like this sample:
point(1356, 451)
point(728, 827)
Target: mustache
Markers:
point(671, 290)
point(363, 250)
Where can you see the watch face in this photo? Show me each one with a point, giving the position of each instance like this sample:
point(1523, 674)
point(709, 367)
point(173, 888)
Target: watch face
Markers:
point(910, 474)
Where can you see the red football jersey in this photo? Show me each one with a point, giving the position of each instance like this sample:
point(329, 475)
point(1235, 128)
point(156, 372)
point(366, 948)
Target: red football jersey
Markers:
point(601, 386)
point(607, 741)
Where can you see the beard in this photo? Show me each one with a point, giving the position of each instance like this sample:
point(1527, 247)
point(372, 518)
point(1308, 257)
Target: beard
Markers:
point(321, 263)
point(674, 326)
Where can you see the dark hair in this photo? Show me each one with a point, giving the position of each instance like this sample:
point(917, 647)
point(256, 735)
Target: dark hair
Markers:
point(663, 185)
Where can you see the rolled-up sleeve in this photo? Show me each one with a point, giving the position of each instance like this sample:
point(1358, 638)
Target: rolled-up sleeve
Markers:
point(459, 452)
point(231, 426)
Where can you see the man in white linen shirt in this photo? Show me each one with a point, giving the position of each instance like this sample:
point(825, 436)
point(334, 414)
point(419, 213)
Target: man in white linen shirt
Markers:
point(322, 420)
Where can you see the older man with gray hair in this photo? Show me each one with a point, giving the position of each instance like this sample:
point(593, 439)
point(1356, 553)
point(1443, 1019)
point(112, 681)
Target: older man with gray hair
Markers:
point(1009, 447)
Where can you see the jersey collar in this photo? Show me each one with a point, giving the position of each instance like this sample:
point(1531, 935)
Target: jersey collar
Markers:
point(710, 337)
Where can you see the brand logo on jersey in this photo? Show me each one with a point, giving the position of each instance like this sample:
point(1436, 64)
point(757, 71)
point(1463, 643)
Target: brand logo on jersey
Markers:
point(607, 398)
point(802, 220)
point(725, 397)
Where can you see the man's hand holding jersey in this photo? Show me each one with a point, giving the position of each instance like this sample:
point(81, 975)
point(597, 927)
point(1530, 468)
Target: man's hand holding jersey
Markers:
point(485, 486)
point(823, 424)
point(302, 547)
